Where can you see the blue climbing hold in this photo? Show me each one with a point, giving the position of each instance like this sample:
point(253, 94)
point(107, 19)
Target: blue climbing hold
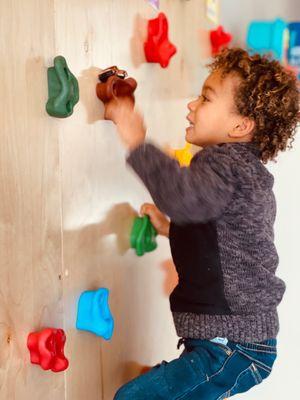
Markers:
point(294, 46)
point(93, 313)
point(268, 36)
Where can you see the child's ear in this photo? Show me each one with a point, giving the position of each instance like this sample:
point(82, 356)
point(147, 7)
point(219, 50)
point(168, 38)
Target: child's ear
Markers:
point(244, 127)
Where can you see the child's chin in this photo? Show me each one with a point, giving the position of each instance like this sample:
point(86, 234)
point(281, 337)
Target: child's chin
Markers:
point(188, 137)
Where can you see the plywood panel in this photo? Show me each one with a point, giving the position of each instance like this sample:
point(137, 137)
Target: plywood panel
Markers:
point(30, 216)
point(101, 196)
point(84, 193)
point(68, 200)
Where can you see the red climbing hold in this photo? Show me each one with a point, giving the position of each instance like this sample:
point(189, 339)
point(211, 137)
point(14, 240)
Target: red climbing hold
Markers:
point(158, 48)
point(47, 349)
point(219, 39)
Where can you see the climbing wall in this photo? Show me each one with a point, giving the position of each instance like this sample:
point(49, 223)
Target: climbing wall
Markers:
point(68, 200)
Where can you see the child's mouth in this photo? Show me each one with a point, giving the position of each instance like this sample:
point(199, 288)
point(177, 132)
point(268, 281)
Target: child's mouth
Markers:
point(190, 122)
point(191, 126)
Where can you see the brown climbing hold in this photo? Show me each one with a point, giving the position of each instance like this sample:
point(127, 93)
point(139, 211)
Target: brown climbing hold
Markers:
point(113, 83)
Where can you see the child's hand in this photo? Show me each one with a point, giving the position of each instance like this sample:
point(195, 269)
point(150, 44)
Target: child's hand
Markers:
point(129, 121)
point(157, 218)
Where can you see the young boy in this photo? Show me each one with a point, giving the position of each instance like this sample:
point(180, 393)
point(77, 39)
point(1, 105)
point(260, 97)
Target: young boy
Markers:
point(221, 210)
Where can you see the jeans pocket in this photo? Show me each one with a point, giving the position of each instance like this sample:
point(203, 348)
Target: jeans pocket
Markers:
point(263, 360)
point(194, 368)
point(246, 380)
point(183, 374)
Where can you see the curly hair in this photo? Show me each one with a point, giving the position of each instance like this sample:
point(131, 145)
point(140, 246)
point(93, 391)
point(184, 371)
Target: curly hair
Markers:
point(268, 94)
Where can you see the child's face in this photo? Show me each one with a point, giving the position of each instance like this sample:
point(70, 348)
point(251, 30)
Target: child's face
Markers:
point(214, 114)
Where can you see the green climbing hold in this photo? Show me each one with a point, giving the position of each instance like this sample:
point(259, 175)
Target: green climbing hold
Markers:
point(63, 91)
point(143, 236)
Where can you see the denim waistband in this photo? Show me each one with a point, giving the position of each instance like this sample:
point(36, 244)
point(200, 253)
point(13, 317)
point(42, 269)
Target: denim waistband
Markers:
point(268, 345)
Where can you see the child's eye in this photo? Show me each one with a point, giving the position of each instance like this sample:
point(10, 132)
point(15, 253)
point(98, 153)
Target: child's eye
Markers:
point(204, 98)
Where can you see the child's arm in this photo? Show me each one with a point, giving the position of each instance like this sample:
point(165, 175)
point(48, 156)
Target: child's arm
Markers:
point(186, 195)
point(157, 218)
point(195, 194)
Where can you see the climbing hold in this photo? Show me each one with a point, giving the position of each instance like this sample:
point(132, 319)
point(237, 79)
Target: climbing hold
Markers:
point(113, 84)
point(184, 155)
point(268, 36)
point(294, 47)
point(143, 235)
point(93, 313)
point(158, 48)
point(213, 11)
point(154, 4)
point(63, 89)
point(46, 349)
point(219, 39)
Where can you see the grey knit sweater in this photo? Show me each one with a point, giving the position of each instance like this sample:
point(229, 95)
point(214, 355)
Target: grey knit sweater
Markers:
point(222, 210)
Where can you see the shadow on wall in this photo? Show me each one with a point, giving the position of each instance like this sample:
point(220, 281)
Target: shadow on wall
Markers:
point(87, 88)
point(205, 45)
point(137, 41)
point(119, 221)
point(132, 369)
point(97, 256)
point(81, 248)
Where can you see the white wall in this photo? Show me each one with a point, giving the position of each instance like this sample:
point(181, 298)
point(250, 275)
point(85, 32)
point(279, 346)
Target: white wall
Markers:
point(283, 382)
point(235, 14)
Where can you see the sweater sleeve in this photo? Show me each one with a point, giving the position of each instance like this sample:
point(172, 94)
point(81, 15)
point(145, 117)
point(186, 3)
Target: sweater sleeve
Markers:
point(198, 193)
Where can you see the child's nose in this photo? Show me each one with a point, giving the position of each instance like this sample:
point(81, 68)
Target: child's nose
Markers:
point(192, 105)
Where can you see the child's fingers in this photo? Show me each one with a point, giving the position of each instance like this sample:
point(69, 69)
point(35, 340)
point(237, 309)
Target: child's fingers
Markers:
point(152, 211)
point(146, 208)
point(158, 220)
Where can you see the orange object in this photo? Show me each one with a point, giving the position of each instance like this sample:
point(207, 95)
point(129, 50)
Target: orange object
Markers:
point(113, 83)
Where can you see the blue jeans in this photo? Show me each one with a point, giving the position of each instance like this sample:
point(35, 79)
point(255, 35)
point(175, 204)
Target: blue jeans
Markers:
point(204, 371)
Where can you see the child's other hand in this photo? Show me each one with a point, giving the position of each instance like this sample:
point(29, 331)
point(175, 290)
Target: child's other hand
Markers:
point(129, 121)
point(157, 218)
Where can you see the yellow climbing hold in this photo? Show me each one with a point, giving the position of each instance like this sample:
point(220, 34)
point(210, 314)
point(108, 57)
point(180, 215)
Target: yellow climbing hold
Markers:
point(184, 155)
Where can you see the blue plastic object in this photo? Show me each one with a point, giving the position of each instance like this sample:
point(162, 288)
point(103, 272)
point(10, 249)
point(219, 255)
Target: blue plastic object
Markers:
point(93, 313)
point(268, 37)
point(294, 45)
